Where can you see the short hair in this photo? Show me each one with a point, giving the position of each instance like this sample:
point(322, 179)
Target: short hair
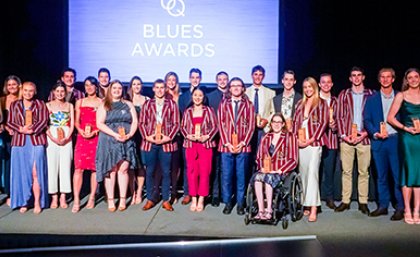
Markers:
point(68, 69)
point(325, 75)
point(288, 72)
point(222, 73)
point(103, 69)
point(386, 70)
point(356, 68)
point(11, 77)
point(258, 68)
point(159, 81)
point(196, 70)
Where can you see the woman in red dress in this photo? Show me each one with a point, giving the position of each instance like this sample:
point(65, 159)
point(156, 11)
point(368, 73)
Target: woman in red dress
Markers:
point(87, 140)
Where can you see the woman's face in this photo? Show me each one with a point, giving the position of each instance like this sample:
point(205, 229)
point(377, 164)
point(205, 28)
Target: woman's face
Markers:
point(59, 93)
point(413, 79)
point(308, 90)
point(90, 88)
point(12, 87)
point(136, 86)
point(116, 91)
point(198, 97)
point(171, 82)
point(28, 91)
point(277, 124)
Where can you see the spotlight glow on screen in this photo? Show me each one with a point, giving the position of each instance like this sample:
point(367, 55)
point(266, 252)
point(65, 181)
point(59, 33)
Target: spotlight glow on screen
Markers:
point(149, 38)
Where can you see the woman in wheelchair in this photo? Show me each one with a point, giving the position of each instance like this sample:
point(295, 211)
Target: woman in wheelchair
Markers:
point(277, 155)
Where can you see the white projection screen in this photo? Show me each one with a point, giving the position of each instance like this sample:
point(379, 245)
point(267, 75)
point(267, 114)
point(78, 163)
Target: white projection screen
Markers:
point(148, 38)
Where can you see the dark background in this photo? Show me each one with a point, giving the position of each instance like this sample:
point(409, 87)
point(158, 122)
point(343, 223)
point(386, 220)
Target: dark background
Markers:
point(318, 36)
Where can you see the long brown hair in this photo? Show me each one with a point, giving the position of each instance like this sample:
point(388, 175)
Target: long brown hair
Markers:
point(108, 97)
point(405, 81)
point(279, 114)
point(315, 87)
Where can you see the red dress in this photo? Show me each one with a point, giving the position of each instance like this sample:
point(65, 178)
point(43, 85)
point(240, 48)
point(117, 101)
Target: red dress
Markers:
point(85, 151)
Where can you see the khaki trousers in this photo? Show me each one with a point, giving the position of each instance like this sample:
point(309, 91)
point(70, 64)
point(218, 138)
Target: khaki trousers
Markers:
point(347, 153)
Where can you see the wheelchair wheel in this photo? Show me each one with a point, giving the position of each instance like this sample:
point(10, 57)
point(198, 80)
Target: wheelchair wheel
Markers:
point(296, 198)
point(251, 205)
point(284, 223)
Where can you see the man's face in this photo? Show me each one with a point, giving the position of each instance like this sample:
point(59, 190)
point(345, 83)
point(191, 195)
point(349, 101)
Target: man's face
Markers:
point(103, 79)
point(195, 79)
point(236, 88)
point(386, 79)
point(257, 77)
point(159, 90)
point(325, 83)
point(356, 78)
point(288, 81)
point(222, 81)
point(68, 78)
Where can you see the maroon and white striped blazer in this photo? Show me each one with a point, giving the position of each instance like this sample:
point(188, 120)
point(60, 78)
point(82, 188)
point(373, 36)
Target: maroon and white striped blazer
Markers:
point(208, 127)
point(345, 112)
point(16, 119)
point(317, 121)
point(170, 124)
point(285, 155)
point(332, 134)
point(245, 124)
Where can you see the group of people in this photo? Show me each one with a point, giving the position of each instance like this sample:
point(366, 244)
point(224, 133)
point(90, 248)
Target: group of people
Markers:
point(219, 141)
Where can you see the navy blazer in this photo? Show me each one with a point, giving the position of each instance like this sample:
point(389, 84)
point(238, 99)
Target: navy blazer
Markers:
point(215, 97)
point(373, 115)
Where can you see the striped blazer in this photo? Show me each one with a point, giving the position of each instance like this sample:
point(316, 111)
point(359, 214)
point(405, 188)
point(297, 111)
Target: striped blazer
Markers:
point(345, 112)
point(245, 123)
point(170, 124)
point(332, 134)
point(208, 127)
point(285, 155)
point(317, 121)
point(16, 119)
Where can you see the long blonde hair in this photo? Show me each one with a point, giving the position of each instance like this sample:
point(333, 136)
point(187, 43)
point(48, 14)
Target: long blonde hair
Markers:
point(312, 82)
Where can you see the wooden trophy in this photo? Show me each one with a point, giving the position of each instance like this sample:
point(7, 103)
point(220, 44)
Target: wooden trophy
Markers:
point(331, 114)
point(158, 132)
point(28, 117)
point(354, 131)
point(88, 129)
point(121, 131)
point(235, 140)
point(289, 124)
point(383, 131)
point(416, 123)
point(267, 164)
point(60, 133)
point(258, 120)
point(197, 131)
point(302, 135)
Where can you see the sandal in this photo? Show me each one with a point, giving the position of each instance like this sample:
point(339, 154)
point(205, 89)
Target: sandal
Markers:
point(54, 204)
point(312, 217)
point(37, 210)
point(76, 208)
point(268, 214)
point(23, 209)
point(416, 218)
point(111, 205)
point(91, 203)
point(259, 216)
point(122, 206)
point(408, 218)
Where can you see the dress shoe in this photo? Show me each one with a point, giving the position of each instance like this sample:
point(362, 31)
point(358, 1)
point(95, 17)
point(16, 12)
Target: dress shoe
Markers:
point(167, 206)
point(186, 200)
point(228, 209)
point(398, 215)
point(240, 210)
point(149, 205)
point(379, 212)
point(331, 204)
point(215, 202)
point(342, 207)
point(363, 208)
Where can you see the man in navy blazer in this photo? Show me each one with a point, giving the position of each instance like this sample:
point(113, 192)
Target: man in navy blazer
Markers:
point(384, 145)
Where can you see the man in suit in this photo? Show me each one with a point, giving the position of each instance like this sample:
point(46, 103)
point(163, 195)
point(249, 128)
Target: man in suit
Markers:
point(215, 97)
point(236, 120)
point(384, 142)
point(183, 102)
point(285, 102)
point(354, 140)
point(158, 124)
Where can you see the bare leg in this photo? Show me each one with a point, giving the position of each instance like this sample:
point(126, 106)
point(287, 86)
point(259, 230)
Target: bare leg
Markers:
point(93, 186)
point(132, 180)
point(123, 184)
point(407, 191)
point(193, 206)
point(77, 186)
point(139, 194)
point(63, 201)
point(109, 188)
point(54, 201)
point(312, 215)
point(200, 205)
point(416, 205)
point(37, 191)
point(260, 198)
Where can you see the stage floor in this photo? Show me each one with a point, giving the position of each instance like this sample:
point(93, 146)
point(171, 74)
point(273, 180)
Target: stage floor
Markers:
point(338, 234)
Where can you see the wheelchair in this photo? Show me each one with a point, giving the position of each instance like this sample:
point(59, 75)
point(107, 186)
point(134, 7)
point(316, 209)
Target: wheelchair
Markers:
point(287, 202)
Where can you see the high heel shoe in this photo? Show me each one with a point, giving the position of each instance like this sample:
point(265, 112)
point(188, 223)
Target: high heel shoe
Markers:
point(110, 207)
point(122, 206)
point(416, 218)
point(408, 218)
point(91, 203)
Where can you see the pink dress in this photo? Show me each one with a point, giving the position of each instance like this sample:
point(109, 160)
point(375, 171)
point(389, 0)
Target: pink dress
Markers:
point(85, 151)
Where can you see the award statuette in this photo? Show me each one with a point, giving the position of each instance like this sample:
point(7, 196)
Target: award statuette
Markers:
point(28, 117)
point(197, 130)
point(158, 131)
point(331, 114)
point(354, 131)
point(121, 131)
point(88, 129)
point(267, 164)
point(302, 134)
point(258, 117)
point(60, 133)
point(416, 123)
point(289, 124)
point(383, 129)
point(235, 140)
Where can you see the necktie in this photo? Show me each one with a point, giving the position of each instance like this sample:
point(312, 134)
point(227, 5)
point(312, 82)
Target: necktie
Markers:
point(236, 111)
point(256, 101)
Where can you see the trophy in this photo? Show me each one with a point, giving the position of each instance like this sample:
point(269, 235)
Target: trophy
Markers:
point(60, 133)
point(121, 131)
point(289, 124)
point(416, 123)
point(158, 131)
point(88, 129)
point(197, 131)
point(258, 119)
point(354, 131)
point(331, 114)
point(28, 117)
point(383, 131)
point(267, 164)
